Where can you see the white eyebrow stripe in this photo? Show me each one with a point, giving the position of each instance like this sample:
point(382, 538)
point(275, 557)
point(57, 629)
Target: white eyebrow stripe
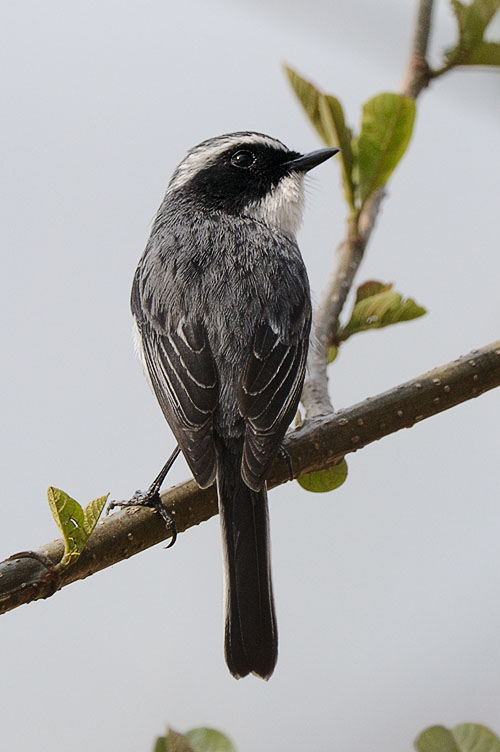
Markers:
point(205, 153)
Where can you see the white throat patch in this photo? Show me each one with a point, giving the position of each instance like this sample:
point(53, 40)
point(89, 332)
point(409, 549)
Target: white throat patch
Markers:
point(282, 208)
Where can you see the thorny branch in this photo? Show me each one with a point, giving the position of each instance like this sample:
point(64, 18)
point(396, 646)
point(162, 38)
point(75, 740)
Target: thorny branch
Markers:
point(315, 396)
point(318, 444)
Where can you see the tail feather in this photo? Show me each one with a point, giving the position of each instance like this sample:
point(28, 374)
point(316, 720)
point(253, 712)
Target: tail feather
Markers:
point(251, 640)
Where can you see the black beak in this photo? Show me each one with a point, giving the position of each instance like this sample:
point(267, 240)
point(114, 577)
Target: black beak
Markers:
point(308, 161)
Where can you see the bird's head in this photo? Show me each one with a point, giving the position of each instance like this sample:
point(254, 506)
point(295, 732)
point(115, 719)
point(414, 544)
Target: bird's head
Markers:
point(246, 174)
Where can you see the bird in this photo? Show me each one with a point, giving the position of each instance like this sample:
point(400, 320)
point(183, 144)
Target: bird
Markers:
point(222, 310)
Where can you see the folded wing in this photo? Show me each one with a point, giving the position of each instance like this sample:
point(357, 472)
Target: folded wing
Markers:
point(268, 397)
point(183, 376)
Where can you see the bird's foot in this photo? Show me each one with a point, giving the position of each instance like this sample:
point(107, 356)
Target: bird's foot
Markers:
point(152, 499)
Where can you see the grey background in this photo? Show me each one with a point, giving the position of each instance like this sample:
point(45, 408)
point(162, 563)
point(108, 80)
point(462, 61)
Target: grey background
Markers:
point(387, 590)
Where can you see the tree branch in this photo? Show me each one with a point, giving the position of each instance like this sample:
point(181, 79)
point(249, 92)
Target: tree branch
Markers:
point(417, 74)
point(315, 397)
point(318, 444)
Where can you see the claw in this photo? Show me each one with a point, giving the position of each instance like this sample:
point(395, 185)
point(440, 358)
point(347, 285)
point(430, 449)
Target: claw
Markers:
point(151, 498)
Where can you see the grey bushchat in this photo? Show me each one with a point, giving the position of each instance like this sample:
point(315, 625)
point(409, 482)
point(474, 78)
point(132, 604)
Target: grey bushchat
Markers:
point(223, 313)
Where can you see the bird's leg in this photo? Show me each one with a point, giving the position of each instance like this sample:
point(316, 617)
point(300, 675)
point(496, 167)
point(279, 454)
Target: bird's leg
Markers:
point(151, 498)
point(286, 456)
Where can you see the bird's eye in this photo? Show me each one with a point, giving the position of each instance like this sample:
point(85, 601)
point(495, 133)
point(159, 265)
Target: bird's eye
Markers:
point(243, 158)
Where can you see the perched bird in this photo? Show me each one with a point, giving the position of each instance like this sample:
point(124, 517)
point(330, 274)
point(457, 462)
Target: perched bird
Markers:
point(221, 302)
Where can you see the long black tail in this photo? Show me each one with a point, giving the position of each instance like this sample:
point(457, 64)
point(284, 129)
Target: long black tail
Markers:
point(251, 638)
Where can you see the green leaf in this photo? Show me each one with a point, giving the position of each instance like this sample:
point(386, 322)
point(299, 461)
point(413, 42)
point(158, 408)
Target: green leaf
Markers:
point(325, 480)
point(160, 745)
point(74, 523)
point(338, 134)
point(473, 20)
point(472, 737)
point(327, 116)
point(92, 512)
point(332, 353)
point(386, 128)
point(309, 97)
point(209, 740)
point(486, 53)
point(371, 287)
point(467, 737)
point(173, 742)
point(435, 739)
point(379, 309)
point(69, 518)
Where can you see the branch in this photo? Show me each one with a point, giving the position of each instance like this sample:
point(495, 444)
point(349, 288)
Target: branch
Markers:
point(315, 397)
point(318, 444)
point(417, 74)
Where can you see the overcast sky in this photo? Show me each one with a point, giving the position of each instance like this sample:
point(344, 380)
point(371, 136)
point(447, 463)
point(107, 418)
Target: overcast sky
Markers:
point(386, 590)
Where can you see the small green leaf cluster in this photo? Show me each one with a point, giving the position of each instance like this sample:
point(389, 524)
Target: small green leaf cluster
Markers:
point(378, 305)
point(467, 737)
point(196, 740)
point(368, 159)
point(75, 523)
point(472, 48)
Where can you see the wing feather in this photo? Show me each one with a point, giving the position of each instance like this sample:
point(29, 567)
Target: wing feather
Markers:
point(268, 396)
point(184, 379)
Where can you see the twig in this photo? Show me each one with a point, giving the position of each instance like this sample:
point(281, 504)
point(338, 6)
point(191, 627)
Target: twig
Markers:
point(319, 444)
point(417, 73)
point(315, 396)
